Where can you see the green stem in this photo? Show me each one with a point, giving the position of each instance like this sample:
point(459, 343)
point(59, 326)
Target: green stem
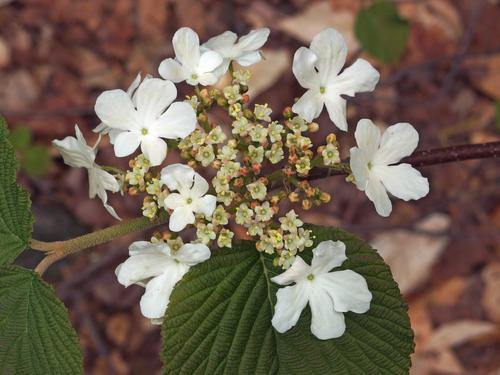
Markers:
point(60, 249)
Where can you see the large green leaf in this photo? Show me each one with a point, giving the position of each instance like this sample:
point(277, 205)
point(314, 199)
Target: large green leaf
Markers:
point(16, 220)
point(219, 320)
point(36, 337)
point(382, 32)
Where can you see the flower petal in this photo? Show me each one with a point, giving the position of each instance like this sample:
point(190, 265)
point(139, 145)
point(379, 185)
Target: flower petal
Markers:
point(177, 176)
point(157, 297)
point(209, 61)
point(298, 271)
point(116, 110)
point(146, 247)
point(403, 181)
point(376, 192)
point(398, 141)
point(249, 58)
point(178, 121)
point(290, 301)
point(206, 79)
point(192, 254)
point(222, 42)
point(110, 209)
point(303, 68)
point(75, 154)
point(138, 268)
point(106, 180)
point(254, 40)
point(180, 218)
point(187, 47)
point(153, 96)
point(336, 107)
point(205, 205)
point(174, 200)
point(331, 49)
point(359, 167)
point(327, 255)
point(126, 143)
point(309, 105)
point(367, 136)
point(171, 69)
point(134, 85)
point(326, 323)
point(154, 149)
point(347, 289)
point(359, 77)
point(200, 186)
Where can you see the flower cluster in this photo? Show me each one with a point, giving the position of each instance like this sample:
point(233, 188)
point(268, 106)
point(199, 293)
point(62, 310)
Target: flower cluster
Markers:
point(245, 172)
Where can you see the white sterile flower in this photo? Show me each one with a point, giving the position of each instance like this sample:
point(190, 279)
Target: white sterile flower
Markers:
point(147, 118)
point(329, 294)
point(244, 51)
point(191, 64)
point(317, 69)
point(77, 154)
point(158, 268)
point(102, 128)
point(190, 199)
point(371, 164)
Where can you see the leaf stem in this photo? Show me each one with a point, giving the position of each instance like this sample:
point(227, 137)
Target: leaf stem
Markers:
point(60, 249)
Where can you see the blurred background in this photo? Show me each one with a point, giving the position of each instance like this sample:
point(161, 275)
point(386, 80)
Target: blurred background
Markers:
point(440, 70)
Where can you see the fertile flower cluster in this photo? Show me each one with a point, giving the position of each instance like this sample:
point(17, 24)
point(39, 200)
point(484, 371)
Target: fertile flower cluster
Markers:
point(255, 165)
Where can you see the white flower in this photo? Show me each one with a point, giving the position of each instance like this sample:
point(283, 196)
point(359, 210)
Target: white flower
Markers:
point(190, 198)
point(244, 51)
point(102, 128)
point(330, 294)
point(191, 64)
point(317, 69)
point(145, 119)
point(77, 154)
point(157, 268)
point(371, 164)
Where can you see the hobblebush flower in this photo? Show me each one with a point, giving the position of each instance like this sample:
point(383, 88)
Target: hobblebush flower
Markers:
point(77, 154)
point(147, 118)
point(102, 128)
point(317, 69)
point(192, 197)
point(191, 64)
point(258, 167)
point(372, 164)
point(329, 294)
point(158, 268)
point(244, 51)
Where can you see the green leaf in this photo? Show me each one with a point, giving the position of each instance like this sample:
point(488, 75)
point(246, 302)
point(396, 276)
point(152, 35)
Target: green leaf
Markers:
point(36, 337)
point(382, 32)
point(21, 137)
point(36, 160)
point(16, 220)
point(219, 320)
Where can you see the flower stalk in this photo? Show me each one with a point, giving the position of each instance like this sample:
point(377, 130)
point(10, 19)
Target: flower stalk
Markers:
point(59, 249)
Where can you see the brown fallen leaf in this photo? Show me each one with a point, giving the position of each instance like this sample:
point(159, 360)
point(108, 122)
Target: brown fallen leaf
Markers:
point(411, 254)
point(317, 17)
point(484, 73)
point(267, 72)
point(491, 295)
point(459, 332)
